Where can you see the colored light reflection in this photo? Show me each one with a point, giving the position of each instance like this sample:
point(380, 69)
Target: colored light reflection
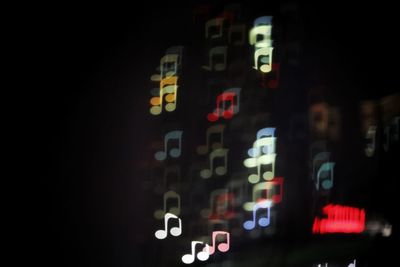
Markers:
point(340, 219)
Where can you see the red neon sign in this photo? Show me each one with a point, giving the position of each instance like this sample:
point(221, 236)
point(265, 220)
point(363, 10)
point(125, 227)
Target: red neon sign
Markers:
point(340, 219)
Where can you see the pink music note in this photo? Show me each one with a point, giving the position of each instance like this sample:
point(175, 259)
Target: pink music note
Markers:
point(175, 231)
point(224, 246)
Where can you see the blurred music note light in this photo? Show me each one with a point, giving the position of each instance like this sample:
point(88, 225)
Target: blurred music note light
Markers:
point(223, 246)
point(263, 222)
point(202, 255)
point(228, 104)
point(175, 231)
point(173, 152)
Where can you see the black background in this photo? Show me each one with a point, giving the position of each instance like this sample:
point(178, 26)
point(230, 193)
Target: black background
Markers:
point(90, 115)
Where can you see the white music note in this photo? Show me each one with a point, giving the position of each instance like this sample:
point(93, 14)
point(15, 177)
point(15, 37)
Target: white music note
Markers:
point(175, 231)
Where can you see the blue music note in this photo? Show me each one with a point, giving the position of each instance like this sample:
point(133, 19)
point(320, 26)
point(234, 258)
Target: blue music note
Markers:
point(263, 222)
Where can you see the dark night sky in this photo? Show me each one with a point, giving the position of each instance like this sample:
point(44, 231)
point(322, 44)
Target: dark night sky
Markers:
point(92, 112)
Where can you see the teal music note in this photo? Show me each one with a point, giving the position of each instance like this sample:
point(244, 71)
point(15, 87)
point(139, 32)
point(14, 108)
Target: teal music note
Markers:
point(325, 173)
point(174, 152)
point(317, 162)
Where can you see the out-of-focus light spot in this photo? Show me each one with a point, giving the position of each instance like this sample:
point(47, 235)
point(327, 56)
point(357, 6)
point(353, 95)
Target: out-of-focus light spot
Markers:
point(260, 37)
point(375, 227)
point(341, 219)
point(176, 210)
point(387, 230)
point(352, 264)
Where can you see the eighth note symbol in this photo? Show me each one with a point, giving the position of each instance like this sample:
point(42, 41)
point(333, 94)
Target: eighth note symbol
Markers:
point(226, 105)
point(174, 152)
point(202, 255)
point(220, 170)
point(175, 231)
point(263, 222)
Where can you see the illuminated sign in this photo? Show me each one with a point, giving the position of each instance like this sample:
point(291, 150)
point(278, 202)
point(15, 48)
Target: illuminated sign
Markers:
point(340, 219)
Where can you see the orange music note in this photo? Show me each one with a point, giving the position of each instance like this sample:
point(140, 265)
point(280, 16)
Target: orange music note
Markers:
point(169, 88)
